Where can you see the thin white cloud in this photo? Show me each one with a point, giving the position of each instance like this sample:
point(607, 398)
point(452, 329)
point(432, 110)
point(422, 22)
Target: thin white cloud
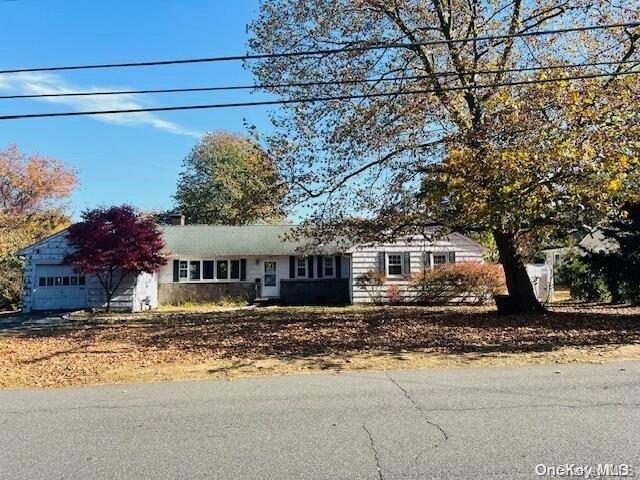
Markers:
point(37, 83)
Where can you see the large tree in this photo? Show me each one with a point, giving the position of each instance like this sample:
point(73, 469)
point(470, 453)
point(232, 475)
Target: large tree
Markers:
point(115, 244)
point(33, 190)
point(228, 179)
point(430, 144)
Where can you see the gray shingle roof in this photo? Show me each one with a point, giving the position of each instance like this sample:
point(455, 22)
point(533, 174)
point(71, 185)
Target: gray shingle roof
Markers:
point(233, 240)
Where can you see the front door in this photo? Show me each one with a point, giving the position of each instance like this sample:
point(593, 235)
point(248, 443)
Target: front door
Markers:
point(270, 286)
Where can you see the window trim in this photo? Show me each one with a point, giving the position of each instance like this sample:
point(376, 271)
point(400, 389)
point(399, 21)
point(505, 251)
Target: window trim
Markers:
point(388, 265)
point(304, 266)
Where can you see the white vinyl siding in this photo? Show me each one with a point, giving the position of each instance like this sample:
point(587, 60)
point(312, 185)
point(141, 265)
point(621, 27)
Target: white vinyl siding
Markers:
point(366, 258)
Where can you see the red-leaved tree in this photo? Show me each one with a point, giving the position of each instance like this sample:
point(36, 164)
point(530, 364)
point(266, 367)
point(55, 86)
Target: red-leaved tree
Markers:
point(113, 244)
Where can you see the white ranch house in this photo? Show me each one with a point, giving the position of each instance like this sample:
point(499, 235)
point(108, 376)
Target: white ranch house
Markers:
point(206, 263)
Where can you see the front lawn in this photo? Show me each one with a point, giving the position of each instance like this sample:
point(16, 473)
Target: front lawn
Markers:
point(264, 341)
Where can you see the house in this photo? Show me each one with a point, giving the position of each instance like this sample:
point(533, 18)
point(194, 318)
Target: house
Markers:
point(206, 263)
point(594, 241)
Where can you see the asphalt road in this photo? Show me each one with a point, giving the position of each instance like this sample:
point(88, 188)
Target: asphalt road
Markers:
point(459, 423)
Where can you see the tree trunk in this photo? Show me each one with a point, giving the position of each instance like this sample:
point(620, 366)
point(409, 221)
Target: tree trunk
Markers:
point(522, 296)
point(109, 295)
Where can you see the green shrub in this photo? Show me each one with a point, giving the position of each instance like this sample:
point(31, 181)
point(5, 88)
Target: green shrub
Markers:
point(620, 269)
point(469, 281)
point(619, 272)
point(584, 280)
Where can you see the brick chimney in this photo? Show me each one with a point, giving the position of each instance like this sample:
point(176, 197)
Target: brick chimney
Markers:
point(176, 219)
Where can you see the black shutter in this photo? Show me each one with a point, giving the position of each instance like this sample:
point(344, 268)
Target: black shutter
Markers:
point(426, 260)
point(176, 270)
point(292, 267)
point(338, 266)
point(310, 263)
point(320, 266)
point(243, 269)
point(382, 268)
point(452, 257)
point(407, 264)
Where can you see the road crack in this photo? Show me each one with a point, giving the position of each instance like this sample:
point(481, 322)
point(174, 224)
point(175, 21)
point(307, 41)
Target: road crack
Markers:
point(419, 409)
point(374, 451)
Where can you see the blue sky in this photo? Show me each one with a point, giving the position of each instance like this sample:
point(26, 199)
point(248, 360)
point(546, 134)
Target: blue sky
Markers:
point(134, 158)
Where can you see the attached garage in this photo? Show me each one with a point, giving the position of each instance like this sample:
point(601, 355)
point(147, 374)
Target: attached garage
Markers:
point(58, 287)
point(50, 285)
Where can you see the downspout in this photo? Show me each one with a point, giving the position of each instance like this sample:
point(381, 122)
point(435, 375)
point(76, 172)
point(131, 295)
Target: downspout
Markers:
point(350, 256)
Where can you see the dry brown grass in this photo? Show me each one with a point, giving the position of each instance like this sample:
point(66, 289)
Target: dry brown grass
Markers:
point(176, 345)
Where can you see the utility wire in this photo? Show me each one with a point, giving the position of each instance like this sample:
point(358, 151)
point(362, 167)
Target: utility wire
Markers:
point(311, 84)
point(308, 100)
point(358, 48)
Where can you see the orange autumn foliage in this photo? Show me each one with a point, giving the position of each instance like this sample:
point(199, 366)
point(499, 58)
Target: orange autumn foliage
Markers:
point(32, 193)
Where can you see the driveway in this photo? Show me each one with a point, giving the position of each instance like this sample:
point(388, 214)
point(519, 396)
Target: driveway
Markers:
point(457, 423)
point(16, 322)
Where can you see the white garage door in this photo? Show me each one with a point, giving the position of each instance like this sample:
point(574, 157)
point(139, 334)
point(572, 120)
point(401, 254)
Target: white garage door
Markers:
point(58, 287)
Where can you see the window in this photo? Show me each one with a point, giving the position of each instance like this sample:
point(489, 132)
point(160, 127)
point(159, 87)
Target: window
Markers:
point(328, 267)
point(222, 271)
point(235, 269)
point(208, 269)
point(439, 258)
point(301, 270)
point(194, 270)
point(184, 269)
point(81, 281)
point(394, 262)
point(60, 281)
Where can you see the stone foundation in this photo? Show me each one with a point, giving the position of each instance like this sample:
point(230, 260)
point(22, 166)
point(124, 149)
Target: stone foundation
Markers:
point(178, 293)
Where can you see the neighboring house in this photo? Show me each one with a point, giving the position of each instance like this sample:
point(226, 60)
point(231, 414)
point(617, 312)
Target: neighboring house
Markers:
point(206, 263)
point(594, 242)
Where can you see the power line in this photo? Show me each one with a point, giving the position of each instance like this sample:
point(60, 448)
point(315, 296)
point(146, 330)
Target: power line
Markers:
point(359, 48)
point(311, 84)
point(308, 100)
